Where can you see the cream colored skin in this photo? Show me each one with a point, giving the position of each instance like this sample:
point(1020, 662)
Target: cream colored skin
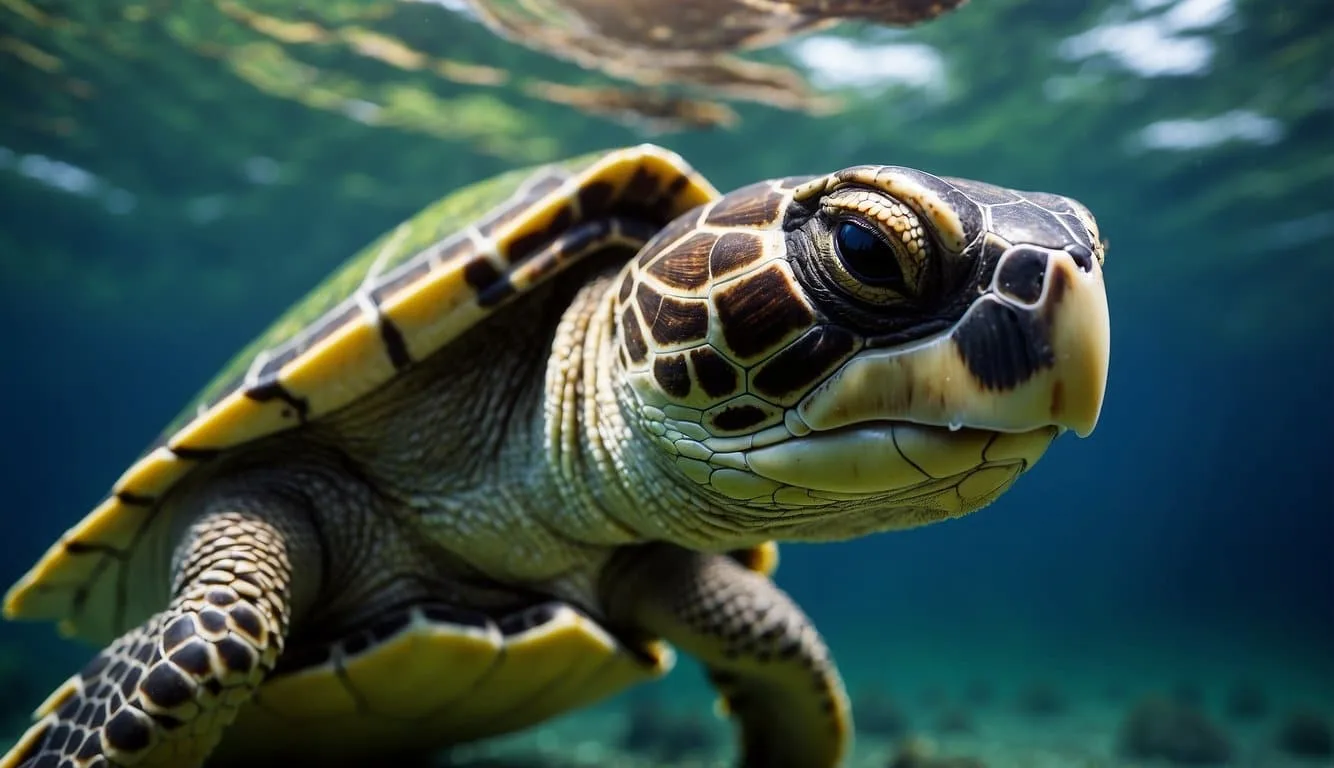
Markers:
point(527, 457)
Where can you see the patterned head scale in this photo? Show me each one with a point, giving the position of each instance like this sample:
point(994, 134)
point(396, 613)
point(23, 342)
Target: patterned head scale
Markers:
point(878, 334)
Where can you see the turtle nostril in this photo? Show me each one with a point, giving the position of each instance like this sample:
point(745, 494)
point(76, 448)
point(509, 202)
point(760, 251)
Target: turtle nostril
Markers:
point(1022, 271)
point(1083, 256)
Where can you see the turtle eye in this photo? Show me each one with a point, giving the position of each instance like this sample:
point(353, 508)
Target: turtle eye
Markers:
point(881, 252)
point(868, 258)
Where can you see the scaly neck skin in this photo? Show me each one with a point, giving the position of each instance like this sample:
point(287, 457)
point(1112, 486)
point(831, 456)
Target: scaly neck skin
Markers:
point(615, 485)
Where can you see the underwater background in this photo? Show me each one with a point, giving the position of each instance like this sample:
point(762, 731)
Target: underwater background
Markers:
point(173, 175)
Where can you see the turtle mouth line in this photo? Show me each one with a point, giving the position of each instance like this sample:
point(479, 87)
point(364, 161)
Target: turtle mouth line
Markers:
point(884, 456)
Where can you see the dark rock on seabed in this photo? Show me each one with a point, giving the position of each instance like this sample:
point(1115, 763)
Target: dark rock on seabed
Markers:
point(1164, 728)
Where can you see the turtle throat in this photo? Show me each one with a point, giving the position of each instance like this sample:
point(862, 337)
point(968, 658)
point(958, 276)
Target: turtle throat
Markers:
point(614, 485)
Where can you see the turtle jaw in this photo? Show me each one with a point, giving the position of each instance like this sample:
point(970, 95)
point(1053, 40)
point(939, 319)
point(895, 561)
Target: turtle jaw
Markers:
point(905, 464)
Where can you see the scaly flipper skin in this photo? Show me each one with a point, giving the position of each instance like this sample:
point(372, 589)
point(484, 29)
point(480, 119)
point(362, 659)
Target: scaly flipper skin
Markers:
point(162, 693)
point(763, 654)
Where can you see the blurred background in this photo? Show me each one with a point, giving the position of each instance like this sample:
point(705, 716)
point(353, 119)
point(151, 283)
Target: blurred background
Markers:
point(174, 174)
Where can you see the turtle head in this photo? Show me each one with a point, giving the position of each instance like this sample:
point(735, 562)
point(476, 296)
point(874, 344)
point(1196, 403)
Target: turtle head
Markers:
point(872, 349)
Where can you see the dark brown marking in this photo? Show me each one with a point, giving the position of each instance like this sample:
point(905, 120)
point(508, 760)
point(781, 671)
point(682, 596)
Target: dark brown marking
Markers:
point(83, 548)
point(131, 681)
point(236, 655)
point(400, 281)
point(192, 658)
point(92, 747)
point(1004, 346)
point(526, 245)
point(715, 375)
point(135, 499)
point(179, 631)
point(650, 303)
point(804, 362)
point(248, 621)
point(739, 417)
point(670, 199)
point(756, 205)
point(632, 337)
point(595, 198)
point(126, 732)
point(733, 251)
point(642, 187)
point(166, 687)
point(760, 311)
point(212, 621)
point(480, 273)
point(1059, 283)
point(627, 285)
point(672, 376)
point(266, 391)
point(677, 184)
point(195, 454)
point(680, 321)
point(394, 344)
point(58, 738)
point(496, 293)
point(685, 266)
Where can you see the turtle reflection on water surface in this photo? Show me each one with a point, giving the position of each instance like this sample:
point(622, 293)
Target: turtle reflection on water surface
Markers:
point(491, 468)
point(689, 43)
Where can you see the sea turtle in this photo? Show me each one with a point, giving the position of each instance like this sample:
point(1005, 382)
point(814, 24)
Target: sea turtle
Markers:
point(490, 469)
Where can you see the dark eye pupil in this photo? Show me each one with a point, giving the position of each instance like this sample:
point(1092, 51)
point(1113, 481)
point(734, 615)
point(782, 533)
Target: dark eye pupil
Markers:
point(867, 257)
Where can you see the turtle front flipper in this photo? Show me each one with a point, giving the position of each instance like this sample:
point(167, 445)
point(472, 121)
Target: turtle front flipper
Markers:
point(162, 693)
point(763, 654)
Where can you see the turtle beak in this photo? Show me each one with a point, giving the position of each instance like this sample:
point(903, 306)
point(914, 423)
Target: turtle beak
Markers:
point(1031, 352)
point(1076, 308)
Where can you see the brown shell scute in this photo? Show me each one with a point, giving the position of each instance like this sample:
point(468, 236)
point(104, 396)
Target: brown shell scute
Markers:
point(680, 322)
point(685, 266)
point(716, 376)
point(741, 415)
point(760, 310)
point(632, 338)
point(733, 252)
point(789, 374)
point(754, 206)
point(672, 375)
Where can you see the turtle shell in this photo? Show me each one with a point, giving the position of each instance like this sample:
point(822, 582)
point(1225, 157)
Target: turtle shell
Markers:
point(404, 297)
